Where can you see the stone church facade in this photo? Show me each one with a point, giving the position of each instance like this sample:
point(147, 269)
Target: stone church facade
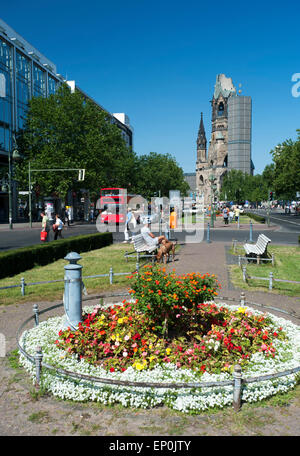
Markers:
point(230, 143)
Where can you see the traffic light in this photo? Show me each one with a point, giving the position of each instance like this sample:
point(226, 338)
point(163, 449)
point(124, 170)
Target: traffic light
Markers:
point(81, 174)
point(270, 195)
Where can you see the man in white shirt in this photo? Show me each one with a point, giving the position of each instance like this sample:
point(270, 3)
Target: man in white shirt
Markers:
point(150, 238)
point(58, 226)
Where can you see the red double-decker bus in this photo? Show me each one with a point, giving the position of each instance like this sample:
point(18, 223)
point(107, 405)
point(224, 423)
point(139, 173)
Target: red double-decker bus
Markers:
point(114, 202)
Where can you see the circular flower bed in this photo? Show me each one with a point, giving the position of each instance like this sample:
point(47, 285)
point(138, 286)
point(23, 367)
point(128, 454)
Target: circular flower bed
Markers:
point(170, 331)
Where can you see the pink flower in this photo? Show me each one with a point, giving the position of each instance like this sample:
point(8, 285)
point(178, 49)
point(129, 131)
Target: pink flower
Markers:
point(178, 315)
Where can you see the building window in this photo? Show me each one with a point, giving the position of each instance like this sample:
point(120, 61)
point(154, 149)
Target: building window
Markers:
point(23, 85)
point(52, 85)
point(39, 86)
point(5, 95)
point(221, 109)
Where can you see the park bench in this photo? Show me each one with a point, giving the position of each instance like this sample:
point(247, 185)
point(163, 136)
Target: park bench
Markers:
point(259, 249)
point(142, 248)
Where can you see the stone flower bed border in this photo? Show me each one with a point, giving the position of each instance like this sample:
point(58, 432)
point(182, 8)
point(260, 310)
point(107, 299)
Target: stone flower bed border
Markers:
point(176, 388)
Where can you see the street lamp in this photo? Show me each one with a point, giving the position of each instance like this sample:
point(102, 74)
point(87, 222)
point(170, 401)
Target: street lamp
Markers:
point(12, 156)
point(212, 189)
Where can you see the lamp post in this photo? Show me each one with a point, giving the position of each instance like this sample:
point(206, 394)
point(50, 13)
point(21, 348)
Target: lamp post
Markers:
point(12, 156)
point(212, 189)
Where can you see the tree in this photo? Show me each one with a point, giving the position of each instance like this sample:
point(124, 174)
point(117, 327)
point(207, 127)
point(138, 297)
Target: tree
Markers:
point(67, 131)
point(286, 158)
point(159, 172)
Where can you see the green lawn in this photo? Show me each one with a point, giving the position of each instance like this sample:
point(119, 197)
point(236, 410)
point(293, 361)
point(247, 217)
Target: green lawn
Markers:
point(287, 267)
point(94, 262)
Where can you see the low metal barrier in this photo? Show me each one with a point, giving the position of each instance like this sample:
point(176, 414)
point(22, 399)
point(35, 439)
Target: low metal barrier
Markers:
point(237, 380)
point(271, 279)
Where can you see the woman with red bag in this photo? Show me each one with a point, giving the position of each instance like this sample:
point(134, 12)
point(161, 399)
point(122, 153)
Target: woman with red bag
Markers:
point(45, 227)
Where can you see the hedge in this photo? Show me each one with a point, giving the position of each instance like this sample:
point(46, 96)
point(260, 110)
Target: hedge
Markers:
point(13, 262)
point(256, 217)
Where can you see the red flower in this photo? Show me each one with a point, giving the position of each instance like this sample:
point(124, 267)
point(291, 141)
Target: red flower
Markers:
point(112, 369)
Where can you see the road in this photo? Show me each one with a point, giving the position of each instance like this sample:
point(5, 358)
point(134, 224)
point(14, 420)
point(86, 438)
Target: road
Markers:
point(286, 232)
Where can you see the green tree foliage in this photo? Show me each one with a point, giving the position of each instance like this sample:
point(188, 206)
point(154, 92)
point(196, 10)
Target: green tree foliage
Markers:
point(286, 158)
point(159, 172)
point(67, 131)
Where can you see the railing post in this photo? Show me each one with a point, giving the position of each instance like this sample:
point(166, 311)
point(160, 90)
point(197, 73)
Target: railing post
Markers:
point(137, 267)
point(251, 232)
point(242, 298)
point(23, 286)
point(271, 281)
point(126, 256)
point(244, 273)
point(239, 260)
point(237, 387)
point(234, 245)
point(258, 259)
point(38, 365)
point(273, 259)
point(207, 234)
point(111, 276)
point(36, 314)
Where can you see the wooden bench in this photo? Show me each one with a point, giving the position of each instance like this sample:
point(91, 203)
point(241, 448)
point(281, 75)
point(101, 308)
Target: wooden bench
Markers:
point(259, 249)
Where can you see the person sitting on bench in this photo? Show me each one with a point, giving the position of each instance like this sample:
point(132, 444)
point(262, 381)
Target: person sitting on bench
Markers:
point(150, 238)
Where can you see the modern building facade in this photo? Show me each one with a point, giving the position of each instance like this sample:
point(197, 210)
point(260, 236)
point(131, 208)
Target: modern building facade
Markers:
point(230, 143)
point(25, 72)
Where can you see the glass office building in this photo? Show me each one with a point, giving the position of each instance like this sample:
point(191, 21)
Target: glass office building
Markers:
point(24, 73)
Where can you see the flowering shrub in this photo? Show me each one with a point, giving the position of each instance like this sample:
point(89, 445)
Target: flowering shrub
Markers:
point(161, 296)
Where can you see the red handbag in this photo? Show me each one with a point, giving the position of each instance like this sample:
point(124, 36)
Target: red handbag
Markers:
point(43, 235)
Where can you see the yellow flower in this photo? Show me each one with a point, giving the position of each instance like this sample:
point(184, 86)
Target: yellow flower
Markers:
point(168, 351)
point(151, 358)
point(113, 337)
point(241, 310)
point(139, 366)
point(120, 320)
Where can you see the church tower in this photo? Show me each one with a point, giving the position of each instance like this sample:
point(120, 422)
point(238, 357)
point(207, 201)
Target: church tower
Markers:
point(201, 142)
point(201, 163)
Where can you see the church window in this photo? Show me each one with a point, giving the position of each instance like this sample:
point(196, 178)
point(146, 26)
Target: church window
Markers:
point(221, 109)
point(225, 164)
point(201, 180)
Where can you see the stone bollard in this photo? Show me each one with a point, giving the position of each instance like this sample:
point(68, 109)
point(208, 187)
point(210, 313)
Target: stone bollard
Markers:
point(73, 291)
point(111, 276)
point(244, 274)
point(237, 387)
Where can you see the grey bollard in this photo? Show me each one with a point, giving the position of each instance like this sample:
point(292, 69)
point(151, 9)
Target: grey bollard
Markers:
point(237, 387)
point(251, 232)
point(208, 234)
point(73, 291)
point(244, 273)
point(242, 299)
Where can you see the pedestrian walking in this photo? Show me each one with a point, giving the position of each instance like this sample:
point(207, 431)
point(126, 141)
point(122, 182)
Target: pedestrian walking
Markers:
point(57, 227)
point(225, 215)
point(45, 225)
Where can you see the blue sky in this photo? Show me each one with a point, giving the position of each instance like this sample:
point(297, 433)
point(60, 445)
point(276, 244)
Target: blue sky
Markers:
point(157, 61)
